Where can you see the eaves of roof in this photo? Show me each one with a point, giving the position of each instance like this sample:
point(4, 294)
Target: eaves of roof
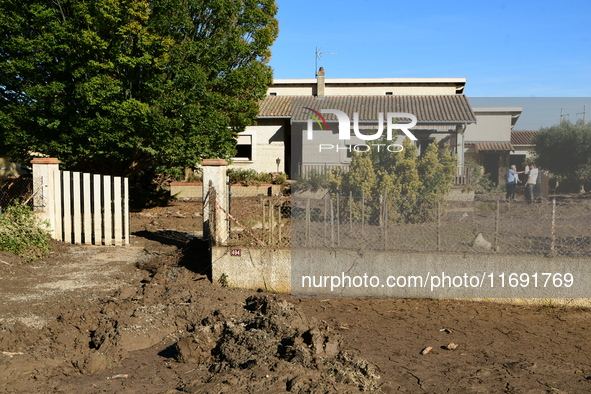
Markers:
point(523, 137)
point(493, 146)
point(452, 109)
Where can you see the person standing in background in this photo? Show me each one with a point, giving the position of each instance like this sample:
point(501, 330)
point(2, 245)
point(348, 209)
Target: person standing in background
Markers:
point(532, 178)
point(511, 180)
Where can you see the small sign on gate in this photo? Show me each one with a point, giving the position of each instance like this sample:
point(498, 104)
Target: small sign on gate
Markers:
point(236, 252)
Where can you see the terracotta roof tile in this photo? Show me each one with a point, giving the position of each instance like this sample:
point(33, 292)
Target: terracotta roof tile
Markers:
point(441, 109)
point(523, 137)
point(275, 106)
point(493, 146)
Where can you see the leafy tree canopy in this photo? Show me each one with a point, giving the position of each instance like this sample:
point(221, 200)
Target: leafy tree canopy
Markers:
point(565, 150)
point(119, 86)
point(412, 186)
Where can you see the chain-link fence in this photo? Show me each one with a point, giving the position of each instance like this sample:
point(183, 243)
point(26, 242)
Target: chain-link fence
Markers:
point(259, 215)
point(558, 226)
point(22, 189)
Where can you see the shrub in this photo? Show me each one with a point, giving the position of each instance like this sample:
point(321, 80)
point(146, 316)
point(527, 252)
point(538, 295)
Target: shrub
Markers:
point(245, 177)
point(413, 186)
point(22, 233)
point(280, 179)
point(479, 181)
point(264, 177)
point(313, 180)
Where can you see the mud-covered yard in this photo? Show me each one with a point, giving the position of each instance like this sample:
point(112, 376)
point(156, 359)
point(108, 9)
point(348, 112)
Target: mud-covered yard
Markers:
point(145, 319)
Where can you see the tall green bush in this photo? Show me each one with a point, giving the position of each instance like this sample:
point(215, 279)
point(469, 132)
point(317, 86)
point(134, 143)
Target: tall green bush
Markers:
point(22, 233)
point(412, 186)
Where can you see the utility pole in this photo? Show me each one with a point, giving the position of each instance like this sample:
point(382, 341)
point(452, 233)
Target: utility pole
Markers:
point(584, 114)
point(562, 114)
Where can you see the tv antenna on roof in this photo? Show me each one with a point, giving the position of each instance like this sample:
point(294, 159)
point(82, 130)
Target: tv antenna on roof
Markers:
point(319, 56)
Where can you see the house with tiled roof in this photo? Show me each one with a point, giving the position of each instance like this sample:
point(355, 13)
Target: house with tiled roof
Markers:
point(278, 141)
point(281, 142)
point(488, 141)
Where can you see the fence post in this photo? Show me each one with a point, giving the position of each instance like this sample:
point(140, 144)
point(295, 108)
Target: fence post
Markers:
point(553, 233)
point(279, 223)
point(263, 220)
point(325, 217)
point(271, 224)
point(214, 172)
point(331, 223)
point(496, 246)
point(351, 212)
point(439, 226)
point(362, 210)
point(308, 219)
point(381, 211)
point(385, 220)
point(338, 217)
point(45, 199)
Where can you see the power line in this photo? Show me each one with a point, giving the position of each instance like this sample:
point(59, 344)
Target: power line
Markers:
point(562, 114)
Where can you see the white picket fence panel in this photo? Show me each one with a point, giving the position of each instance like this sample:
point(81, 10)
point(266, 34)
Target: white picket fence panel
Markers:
point(91, 209)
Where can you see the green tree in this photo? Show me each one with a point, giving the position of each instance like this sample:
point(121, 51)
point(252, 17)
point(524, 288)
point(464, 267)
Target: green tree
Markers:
point(406, 176)
point(436, 169)
point(124, 86)
point(565, 150)
point(361, 174)
point(412, 186)
point(361, 179)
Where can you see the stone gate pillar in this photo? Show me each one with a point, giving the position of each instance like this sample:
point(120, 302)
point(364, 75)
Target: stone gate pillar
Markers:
point(215, 219)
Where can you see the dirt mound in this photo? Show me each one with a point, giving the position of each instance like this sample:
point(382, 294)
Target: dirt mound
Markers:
point(232, 339)
point(273, 348)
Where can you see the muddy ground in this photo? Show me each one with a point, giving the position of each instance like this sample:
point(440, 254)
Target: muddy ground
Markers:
point(146, 319)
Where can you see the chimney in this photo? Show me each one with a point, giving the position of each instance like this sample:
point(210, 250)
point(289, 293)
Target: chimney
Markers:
point(320, 82)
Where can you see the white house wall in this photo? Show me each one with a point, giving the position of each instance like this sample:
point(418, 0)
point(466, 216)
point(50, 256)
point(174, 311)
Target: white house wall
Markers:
point(291, 91)
point(363, 90)
point(395, 90)
point(489, 128)
point(268, 146)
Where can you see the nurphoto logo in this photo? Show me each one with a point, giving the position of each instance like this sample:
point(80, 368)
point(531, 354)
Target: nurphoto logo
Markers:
point(344, 125)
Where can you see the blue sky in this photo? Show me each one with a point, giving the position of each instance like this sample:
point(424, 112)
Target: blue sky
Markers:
point(506, 49)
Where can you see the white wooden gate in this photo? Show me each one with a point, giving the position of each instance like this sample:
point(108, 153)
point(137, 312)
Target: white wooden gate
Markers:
point(79, 207)
point(90, 209)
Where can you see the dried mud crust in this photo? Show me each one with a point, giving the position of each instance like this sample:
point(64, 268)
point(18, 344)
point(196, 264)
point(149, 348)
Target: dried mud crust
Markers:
point(145, 320)
point(166, 328)
point(259, 344)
